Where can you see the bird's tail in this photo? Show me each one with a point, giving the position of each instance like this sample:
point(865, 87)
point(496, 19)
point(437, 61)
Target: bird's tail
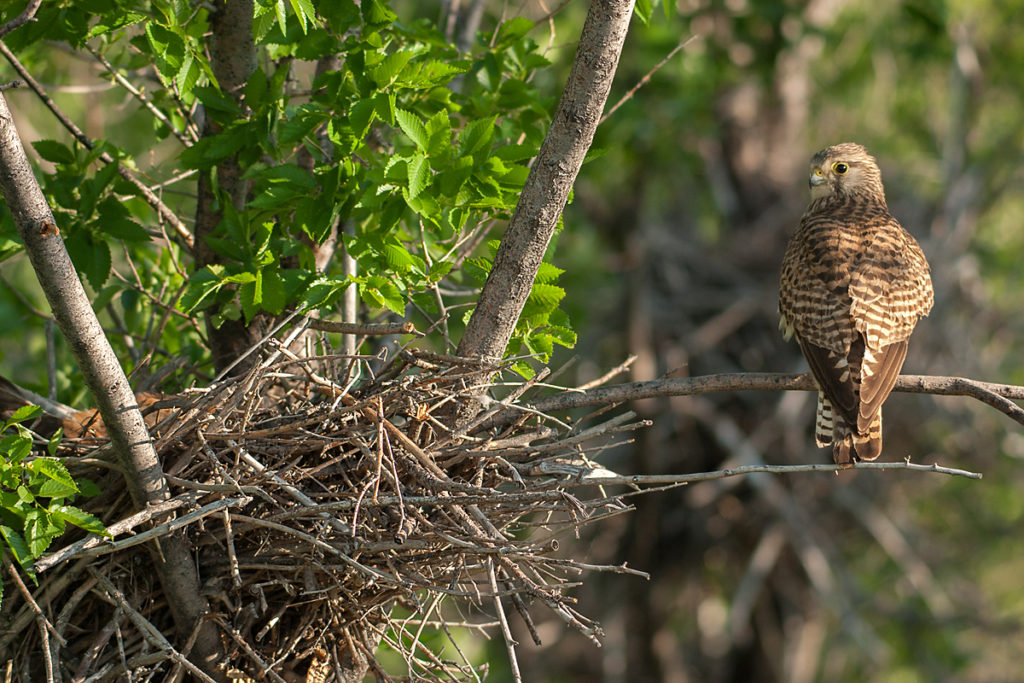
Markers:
point(851, 447)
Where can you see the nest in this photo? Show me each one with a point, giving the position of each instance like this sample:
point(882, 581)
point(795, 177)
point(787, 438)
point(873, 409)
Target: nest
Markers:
point(328, 522)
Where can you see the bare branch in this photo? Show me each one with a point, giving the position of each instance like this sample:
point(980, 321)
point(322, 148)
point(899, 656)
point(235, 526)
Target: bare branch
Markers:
point(647, 77)
point(680, 479)
point(27, 15)
point(368, 329)
point(993, 394)
point(103, 374)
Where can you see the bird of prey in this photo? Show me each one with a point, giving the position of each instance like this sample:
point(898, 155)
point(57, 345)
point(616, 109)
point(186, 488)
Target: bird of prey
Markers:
point(854, 283)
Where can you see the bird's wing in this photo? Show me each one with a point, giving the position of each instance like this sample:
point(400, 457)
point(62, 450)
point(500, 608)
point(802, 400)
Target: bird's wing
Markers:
point(879, 372)
point(832, 372)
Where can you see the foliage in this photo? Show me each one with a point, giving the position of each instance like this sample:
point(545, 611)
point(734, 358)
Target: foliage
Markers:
point(36, 494)
point(410, 143)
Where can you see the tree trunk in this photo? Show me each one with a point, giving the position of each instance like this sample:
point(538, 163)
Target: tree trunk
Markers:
point(551, 178)
point(104, 377)
point(233, 59)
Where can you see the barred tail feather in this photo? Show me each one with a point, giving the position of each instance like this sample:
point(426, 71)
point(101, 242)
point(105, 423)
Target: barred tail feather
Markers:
point(823, 423)
point(869, 444)
point(852, 447)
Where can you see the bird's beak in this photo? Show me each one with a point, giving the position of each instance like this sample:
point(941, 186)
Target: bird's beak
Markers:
point(817, 177)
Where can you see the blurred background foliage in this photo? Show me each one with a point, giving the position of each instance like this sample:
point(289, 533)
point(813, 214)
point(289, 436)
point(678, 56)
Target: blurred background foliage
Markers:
point(671, 253)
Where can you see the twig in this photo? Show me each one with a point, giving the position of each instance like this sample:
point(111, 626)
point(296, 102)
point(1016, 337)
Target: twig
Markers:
point(622, 367)
point(139, 95)
point(510, 642)
point(45, 627)
point(146, 628)
point(660, 479)
point(95, 548)
point(237, 637)
point(643, 81)
point(358, 328)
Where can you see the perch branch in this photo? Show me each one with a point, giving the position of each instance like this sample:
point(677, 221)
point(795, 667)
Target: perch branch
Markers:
point(102, 372)
point(993, 394)
point(680, 479)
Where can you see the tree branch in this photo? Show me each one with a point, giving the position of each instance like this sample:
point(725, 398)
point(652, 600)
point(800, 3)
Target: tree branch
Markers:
point(233, 60)
point(679, 479)
point(27, 15)
point(551, 177)
point(996, 395)
point(100, 368)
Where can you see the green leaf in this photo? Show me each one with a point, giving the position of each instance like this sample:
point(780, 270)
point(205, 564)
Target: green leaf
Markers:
point(439, 131)
point(167, 50)
point(275, 297)
point(90, 256)
point(251, 296)
point(376, 13)
point(201, 284)
point(360, 116)
point(282, 16)
point(643, 10)
point(547, 273)
point(21, 414)
point(562, 335)
point(40, 530)
point(59, 482)
point(439, 270)
point(24, 495)
point(19, 549)
point(256, 89)
point(386, 71)
point(54, 151)
point(304, 11)
point(54, 442)
point(114, 221)
point(14, 447)
point(412, 126)
point(477, 135)
point(81, 519)
point(384, 105)
point(513, 29)
point(400, 260)
point(419, 174)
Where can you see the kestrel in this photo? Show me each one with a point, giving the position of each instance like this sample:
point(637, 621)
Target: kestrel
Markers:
point(854, 284)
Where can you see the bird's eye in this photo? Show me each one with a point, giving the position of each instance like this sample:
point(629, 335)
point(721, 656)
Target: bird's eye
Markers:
point(840, 168)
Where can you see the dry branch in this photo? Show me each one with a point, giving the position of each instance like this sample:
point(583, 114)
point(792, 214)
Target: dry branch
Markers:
point(993, 394)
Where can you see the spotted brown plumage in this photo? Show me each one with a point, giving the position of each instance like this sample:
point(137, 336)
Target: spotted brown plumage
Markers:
point(854, 283)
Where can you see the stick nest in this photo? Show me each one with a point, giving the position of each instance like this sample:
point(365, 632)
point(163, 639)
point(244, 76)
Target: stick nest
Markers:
point(325, 523)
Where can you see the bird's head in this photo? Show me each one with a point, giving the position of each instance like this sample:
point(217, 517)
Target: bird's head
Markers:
point(845, 170)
